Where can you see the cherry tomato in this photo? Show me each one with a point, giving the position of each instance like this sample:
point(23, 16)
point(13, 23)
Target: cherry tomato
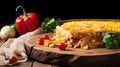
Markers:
point(12, 60)
point(41, 41)
point(45, 37)
point(62, 46)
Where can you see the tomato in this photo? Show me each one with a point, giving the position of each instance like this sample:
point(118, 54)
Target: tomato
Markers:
point(13, 59)
point(41, 41)
point(45, 37)
point(62, 46)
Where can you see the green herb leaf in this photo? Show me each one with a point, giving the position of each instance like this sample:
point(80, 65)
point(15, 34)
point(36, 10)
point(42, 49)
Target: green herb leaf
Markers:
point(50, 24)
point(106, 36)
point(111, 40)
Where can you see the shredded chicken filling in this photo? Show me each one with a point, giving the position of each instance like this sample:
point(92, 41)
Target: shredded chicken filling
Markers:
point(80, 35)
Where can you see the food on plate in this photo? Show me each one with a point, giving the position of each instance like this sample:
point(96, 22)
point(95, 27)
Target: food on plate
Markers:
point(111, 40)
point(62, 46)
point(43, 40)
point(85, 34)
point(47, 42)
point(26, 22)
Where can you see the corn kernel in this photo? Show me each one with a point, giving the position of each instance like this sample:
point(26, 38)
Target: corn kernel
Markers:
point(85, 47)
point(46, 43)
point(93, 40)
point(57, 40)
point(69, 46)
point(52, 45)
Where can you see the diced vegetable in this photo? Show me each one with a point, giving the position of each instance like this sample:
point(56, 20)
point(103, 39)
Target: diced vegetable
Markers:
point(62, 46)
point(85, 47)
point(70, 46)
point(51, 45)
point(45, 37)
point(40, 41)
point(46, 43)
point(43, 40)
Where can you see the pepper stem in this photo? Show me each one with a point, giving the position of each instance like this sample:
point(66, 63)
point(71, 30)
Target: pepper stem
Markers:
point(24, 11)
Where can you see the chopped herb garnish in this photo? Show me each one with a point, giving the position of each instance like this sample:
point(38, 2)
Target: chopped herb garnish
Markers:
point(50, 24)
point(111, 40)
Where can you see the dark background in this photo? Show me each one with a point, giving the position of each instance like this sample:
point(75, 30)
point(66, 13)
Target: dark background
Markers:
point(64, 9)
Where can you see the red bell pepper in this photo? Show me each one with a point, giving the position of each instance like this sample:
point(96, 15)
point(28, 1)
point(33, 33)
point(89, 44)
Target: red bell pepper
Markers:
point(26, 22)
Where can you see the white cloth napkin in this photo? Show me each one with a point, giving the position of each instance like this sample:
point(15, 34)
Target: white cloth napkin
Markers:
point(16, 48)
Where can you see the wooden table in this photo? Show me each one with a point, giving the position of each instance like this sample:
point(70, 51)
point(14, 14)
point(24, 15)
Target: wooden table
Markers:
point(31, 63)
